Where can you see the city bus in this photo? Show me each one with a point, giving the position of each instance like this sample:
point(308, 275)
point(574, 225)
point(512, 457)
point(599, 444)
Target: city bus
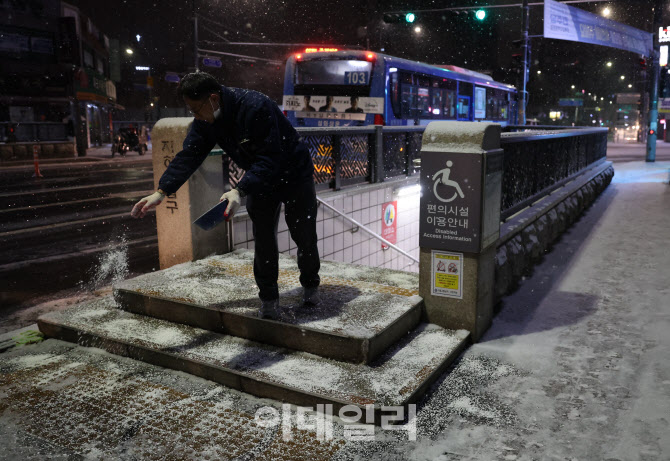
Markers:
point(352, 87)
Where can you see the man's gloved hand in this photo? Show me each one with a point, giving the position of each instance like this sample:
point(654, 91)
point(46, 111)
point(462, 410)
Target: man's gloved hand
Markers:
point(234, 200)
point(147, 203)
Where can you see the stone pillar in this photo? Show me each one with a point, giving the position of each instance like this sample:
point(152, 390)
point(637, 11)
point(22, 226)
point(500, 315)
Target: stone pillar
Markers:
point(461, 178)
point(178, 239)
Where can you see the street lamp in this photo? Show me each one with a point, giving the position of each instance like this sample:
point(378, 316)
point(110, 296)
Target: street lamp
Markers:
point(607, 11)
point(623, 77)
point(609, 64)
point(630, 85)
point(539, 72)
point(417, 30)
point(573, 87)
point(129, 51)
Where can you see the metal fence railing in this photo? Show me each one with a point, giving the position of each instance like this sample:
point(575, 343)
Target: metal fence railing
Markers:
point(536, 162)
point(345, 156)
point(536, 159)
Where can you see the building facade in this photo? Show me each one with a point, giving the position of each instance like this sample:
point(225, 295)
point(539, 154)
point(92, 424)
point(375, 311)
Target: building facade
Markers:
point(55, 79)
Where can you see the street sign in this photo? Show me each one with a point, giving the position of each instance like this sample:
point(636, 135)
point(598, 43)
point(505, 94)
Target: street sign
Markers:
point(211, 62)
point(569, 23)
point(570, 102)
point(172, 77)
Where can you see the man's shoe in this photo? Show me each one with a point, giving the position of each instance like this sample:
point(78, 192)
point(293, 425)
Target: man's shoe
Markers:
point(310, 297)
point(269, 309)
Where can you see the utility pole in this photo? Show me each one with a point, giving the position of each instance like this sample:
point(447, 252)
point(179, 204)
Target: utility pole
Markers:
point(655, 70)
point(195, 37)
point(525, 52)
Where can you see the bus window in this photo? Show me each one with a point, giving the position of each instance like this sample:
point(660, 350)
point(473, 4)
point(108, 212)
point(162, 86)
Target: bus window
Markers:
point(464, 108)
point(465, 89)
point(436, 101)
point(443, 101)
point(333, 72)
point(395, 93)
point(497, 105)
point(423, 102)
point(408, 95)
point(444, 98)
point(464, 97)
point(415, 96)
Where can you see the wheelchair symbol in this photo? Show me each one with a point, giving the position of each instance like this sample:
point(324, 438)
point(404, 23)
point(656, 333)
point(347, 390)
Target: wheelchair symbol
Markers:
point(442, 177)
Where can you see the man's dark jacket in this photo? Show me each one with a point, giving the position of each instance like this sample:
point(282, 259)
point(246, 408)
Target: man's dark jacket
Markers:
point(255, 134)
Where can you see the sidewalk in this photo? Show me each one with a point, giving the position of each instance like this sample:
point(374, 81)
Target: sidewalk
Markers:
point(576, 366)
point(94, 155)
point(633, 151)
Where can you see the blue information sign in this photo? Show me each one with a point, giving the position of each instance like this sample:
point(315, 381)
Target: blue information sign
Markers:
point(211, 62)
point(569, 23)
point(567, 102)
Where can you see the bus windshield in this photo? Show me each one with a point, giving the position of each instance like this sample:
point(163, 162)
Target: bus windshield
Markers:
point(333, 72)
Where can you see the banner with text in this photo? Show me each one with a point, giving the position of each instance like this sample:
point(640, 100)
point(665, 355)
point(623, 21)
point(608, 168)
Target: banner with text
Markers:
point(569, 23)
point(333, 105)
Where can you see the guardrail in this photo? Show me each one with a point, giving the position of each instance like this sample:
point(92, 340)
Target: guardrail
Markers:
point(536, 159)
point(536, 162)
point(345, 156)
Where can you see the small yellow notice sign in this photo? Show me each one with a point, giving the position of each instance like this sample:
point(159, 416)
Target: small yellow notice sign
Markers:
point(447, 274)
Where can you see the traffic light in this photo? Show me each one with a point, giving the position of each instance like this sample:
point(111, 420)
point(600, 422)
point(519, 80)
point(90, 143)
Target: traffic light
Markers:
point(399, 17)
point(480, 15)
point(643, 64)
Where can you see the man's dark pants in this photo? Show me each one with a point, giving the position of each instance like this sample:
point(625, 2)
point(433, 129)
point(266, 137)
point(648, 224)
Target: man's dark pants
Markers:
point(300, 212)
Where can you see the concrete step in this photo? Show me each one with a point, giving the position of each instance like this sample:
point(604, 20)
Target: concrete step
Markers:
point(364, 310)
point(399, 377)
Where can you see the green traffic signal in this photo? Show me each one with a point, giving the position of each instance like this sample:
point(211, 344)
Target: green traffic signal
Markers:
point(480, 14)
point(409, 17)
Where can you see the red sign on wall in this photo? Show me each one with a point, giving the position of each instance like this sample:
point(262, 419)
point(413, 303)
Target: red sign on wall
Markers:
point(389, 221)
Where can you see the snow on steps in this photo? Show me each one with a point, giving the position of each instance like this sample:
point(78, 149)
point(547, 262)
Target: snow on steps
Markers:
point(399, 377)
point(364, 309)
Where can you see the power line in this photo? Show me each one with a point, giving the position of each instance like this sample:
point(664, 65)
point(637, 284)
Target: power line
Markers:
point(246, 56)
point(204, 18)
point(214, 33)
point(487, 7)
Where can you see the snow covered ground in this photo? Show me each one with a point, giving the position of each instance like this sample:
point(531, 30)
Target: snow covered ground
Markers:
point(576, 365)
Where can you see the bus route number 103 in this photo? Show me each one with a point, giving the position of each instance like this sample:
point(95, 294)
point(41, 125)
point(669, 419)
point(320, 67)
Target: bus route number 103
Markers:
point(356, 78)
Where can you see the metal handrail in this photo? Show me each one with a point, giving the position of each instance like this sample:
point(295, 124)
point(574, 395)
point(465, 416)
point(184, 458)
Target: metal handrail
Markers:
point(541, 135)
point(369, 231)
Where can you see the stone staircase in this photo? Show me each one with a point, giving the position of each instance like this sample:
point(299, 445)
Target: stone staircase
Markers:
point(365, 344)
